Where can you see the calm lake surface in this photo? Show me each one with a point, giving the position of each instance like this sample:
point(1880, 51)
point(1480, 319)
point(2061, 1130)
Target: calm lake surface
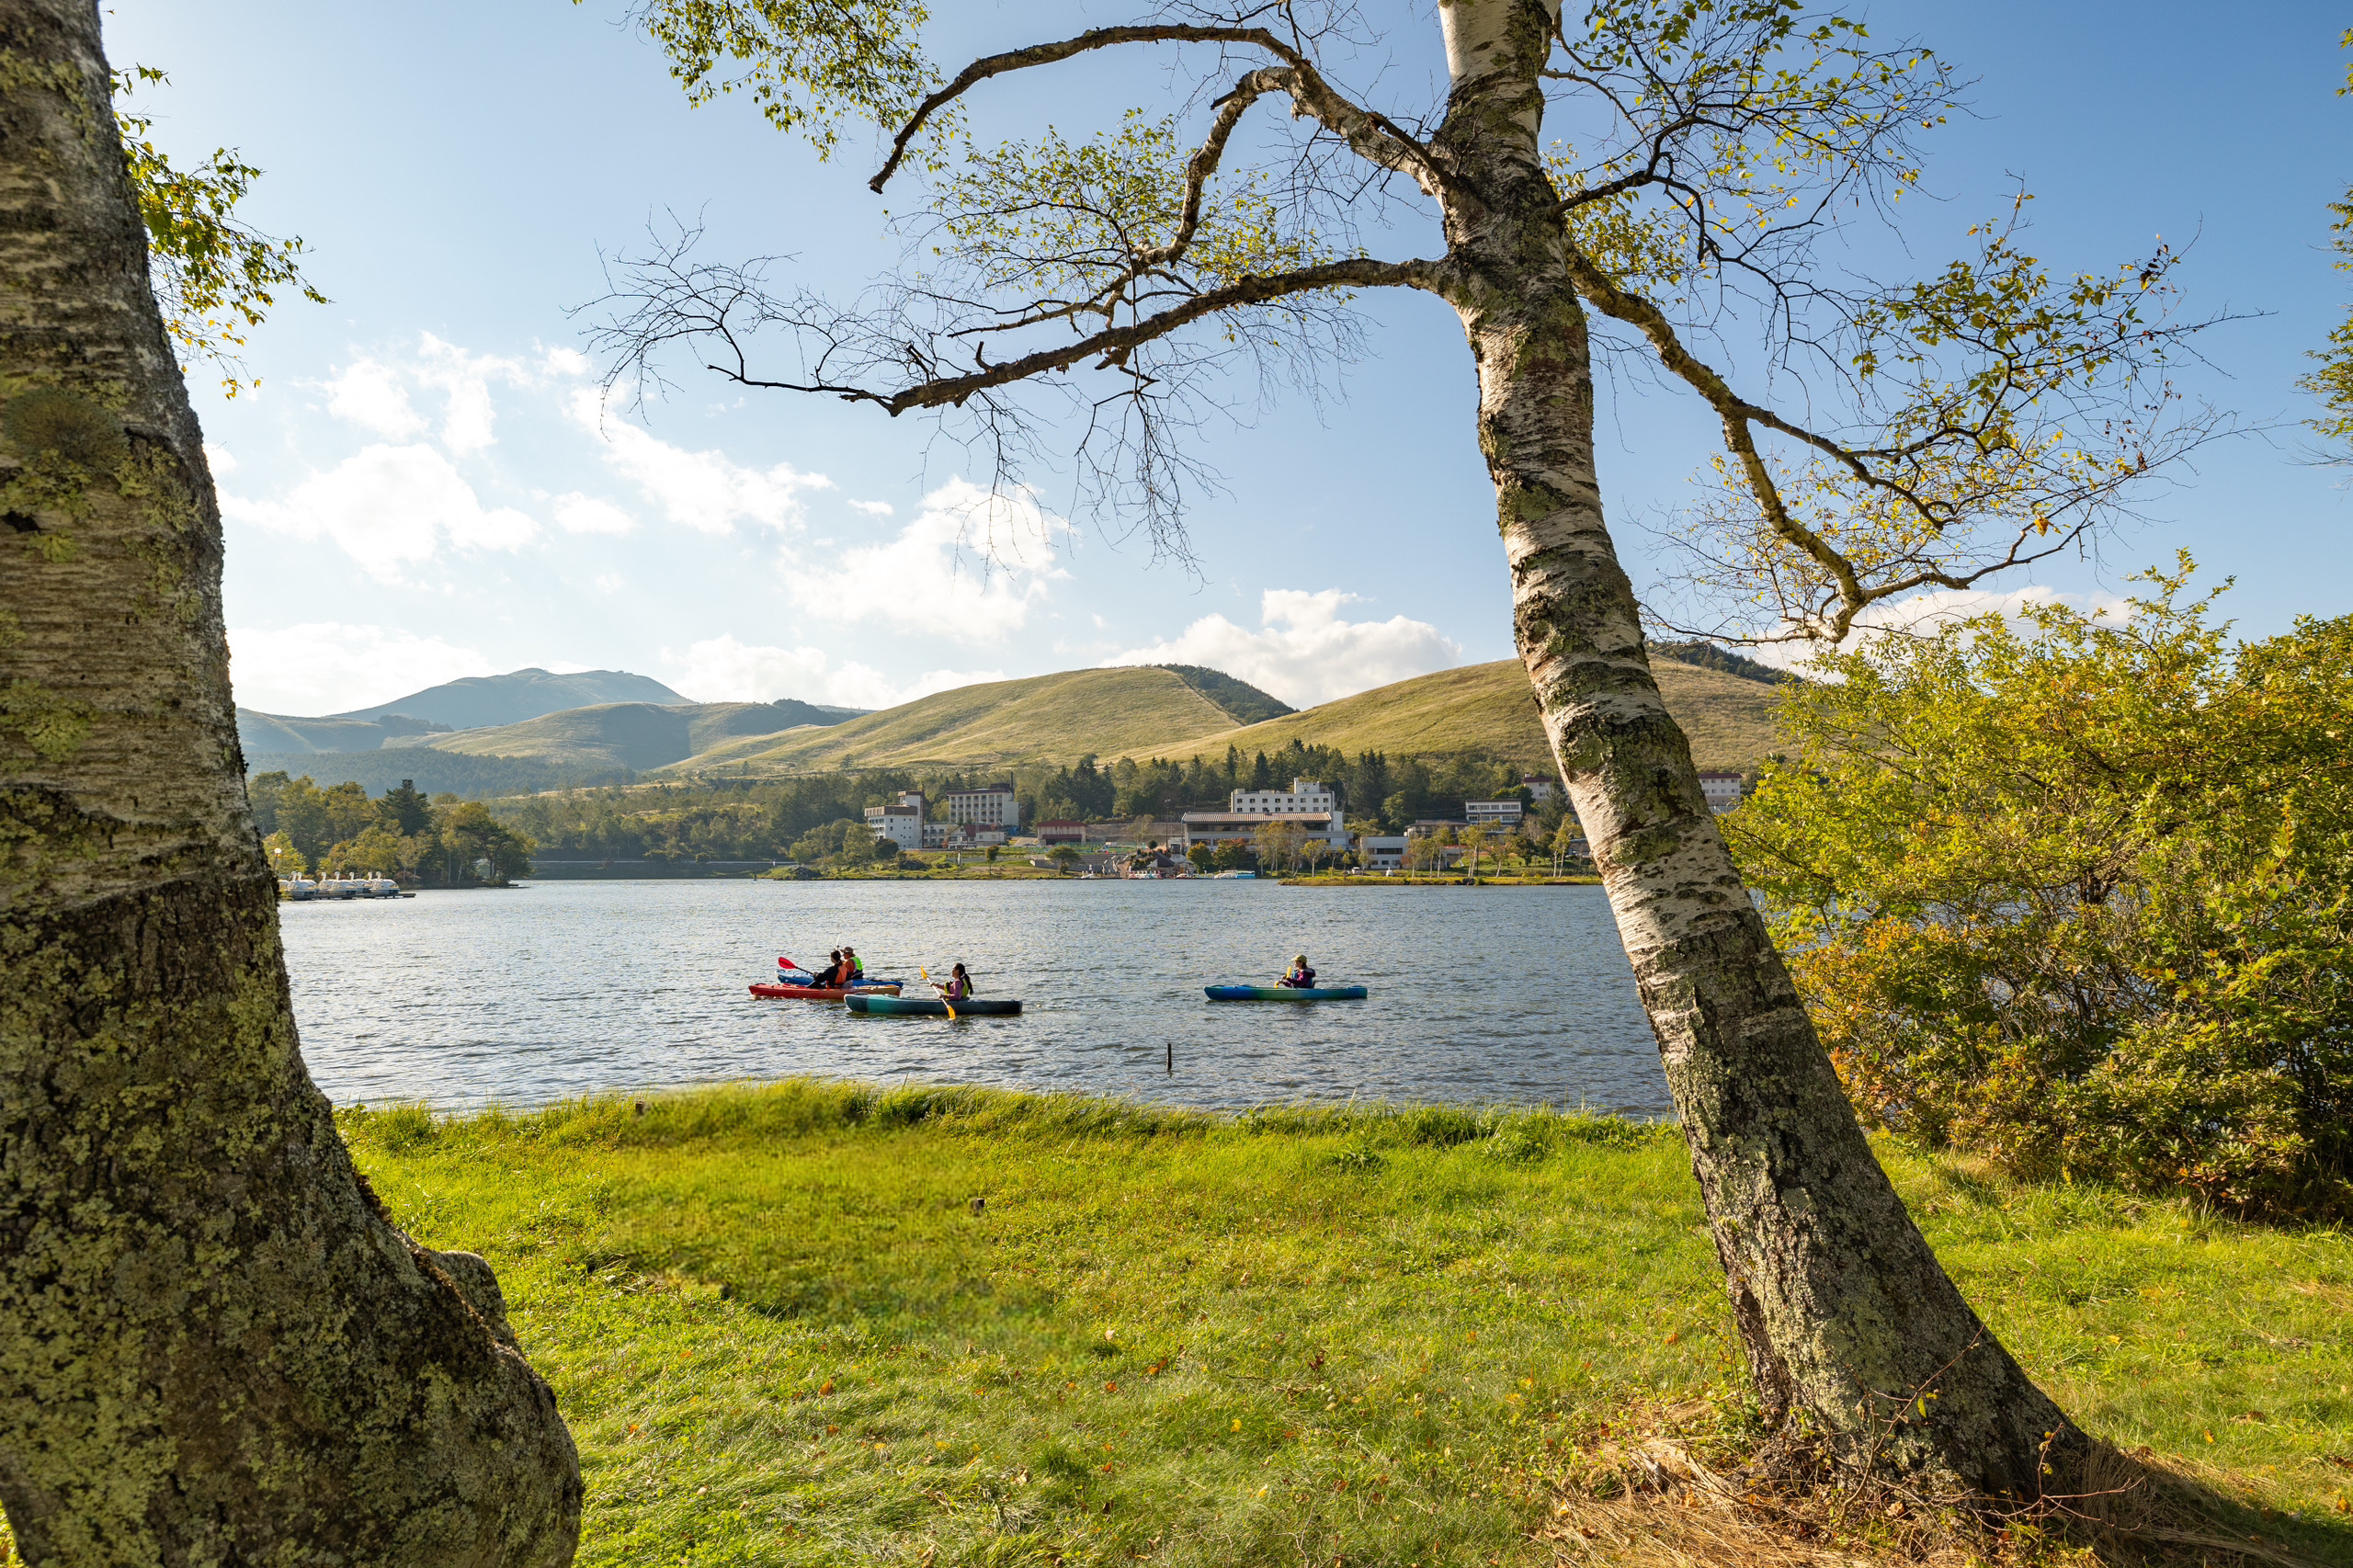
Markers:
point(1479, 996)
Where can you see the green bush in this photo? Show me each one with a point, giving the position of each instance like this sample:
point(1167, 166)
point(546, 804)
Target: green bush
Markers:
point(2082, 900)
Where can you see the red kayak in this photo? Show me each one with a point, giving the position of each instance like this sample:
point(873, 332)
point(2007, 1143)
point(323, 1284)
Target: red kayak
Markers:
point(822, 993)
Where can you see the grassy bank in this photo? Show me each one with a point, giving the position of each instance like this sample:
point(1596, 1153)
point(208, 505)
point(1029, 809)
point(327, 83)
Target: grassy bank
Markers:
point(818, 1323)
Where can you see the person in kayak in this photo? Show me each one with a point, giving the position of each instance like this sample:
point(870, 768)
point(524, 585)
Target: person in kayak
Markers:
point(829, 976)
point(958, 987)
point(1301, 977)
point(853, 967)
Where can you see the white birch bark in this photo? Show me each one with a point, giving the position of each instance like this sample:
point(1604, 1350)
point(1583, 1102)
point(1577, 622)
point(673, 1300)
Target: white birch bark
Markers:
point(1847, 1316)
point(213, 1347)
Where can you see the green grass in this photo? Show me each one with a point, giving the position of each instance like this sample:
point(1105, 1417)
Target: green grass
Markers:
point(1480, 709)
point(636, 736)
point(1054, 718)
point(782, 1333)
point(1489, 709)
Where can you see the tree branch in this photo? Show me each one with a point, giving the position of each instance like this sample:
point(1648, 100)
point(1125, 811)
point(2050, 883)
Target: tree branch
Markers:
point(1374, 136)
point(1114, 344)
point(1737, 414)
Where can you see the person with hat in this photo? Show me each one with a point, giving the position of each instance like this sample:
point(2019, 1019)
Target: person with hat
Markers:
point(1301, 977)
point(853, 967)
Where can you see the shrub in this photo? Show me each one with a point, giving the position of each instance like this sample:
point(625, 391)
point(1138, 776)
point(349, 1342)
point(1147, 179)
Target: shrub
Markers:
point(2082, 900)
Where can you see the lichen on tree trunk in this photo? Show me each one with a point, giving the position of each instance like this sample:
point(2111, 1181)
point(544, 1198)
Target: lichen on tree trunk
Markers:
point(214, 1348)
point(1854, 1332)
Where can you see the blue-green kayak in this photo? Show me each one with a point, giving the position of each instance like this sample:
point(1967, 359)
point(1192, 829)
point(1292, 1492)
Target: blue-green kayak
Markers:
point(1286, 993)
point(931, 1006)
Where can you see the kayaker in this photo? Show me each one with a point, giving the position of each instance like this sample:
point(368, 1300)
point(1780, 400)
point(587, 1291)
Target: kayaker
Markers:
point(1301, 977)
point(958, 987)
point(853, 967)
point(830, 975)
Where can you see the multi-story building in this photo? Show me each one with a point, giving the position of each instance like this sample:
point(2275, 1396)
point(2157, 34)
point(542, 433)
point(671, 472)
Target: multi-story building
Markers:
point(1241, 827)
point(1538, 786)
point(1380, 851)
point(902, 823)
point(1723, 790)
point(992, 805)
point(1052, 832)
point(1493, 814)
point(1304, 795)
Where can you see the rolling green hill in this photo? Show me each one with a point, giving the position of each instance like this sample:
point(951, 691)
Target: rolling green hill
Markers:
point(1161, 711)
point(1490, 709)
point(636, 736)
point(1056, 717)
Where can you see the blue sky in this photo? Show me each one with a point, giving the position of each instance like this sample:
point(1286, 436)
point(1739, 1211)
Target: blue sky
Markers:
point(425, 485)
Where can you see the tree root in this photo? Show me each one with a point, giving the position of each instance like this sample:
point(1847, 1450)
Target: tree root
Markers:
point(1656, 1501)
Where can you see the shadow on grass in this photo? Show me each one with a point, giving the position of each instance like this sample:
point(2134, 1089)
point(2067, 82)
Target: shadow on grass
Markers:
point(1665, 1498)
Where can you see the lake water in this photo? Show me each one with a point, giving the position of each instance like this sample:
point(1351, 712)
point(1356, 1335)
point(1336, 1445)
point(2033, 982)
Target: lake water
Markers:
point(523, 997)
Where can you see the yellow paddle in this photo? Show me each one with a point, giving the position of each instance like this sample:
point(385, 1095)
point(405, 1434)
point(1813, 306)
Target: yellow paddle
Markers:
point(943, 993)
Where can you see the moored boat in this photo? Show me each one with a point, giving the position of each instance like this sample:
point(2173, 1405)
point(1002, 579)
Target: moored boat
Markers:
point(1287, 992)
point(933, 1007)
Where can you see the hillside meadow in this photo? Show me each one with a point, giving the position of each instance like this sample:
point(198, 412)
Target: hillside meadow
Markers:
point(1480, 709)
point(814, 1323)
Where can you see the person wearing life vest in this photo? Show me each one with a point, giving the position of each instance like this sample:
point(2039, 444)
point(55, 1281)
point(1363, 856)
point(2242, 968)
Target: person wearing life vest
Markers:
point(958, 987)
point(853, 967)
point(829, 976)
point(1301, 977)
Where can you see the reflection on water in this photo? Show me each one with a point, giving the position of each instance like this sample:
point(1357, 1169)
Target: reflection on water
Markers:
point(1479, 996)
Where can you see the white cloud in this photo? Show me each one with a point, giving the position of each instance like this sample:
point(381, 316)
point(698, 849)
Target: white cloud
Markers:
point(586, 515)
point(874, 508)
point(369, 394)
point(1304, 653)
point(464, 380)
point(387, 507)
point(705, 491)
point(375, 394)
point(335, 667)
point(219, 459)
point(955, 571)
point(611, 582)
point(723, 669)
point(1923, 614)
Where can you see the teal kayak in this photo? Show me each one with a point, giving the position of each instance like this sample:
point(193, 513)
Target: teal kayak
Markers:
point(932, 1006)
point(1285, 993)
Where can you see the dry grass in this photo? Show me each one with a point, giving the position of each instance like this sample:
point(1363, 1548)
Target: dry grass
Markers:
point(1479, 709)
point(1490, 711)
point(1667, 1490)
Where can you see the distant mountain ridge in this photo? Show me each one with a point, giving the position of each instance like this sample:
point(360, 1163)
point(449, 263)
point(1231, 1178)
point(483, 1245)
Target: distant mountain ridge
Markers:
point(1125, 711)
point(477, 702)
point(638, 736)
point(1246, 702)
point(1724, 703)
point(486, 702)
point(1163, 711)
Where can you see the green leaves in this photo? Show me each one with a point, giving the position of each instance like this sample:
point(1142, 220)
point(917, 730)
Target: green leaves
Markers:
point(807, 63)
point(214, 278)
point(1098, 224)
point(2078, 896)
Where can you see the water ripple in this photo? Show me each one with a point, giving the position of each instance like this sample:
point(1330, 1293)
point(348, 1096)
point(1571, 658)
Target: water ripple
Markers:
point(1479, 996)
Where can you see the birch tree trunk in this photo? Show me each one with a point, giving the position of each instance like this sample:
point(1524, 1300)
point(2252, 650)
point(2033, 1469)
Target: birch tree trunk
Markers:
point(213, 1347)
point(1853, 1331)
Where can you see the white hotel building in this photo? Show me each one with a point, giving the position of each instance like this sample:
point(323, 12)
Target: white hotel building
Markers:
point(1315, 807)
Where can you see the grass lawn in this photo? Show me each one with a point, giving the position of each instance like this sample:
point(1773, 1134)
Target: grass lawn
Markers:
point(812, 1322)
